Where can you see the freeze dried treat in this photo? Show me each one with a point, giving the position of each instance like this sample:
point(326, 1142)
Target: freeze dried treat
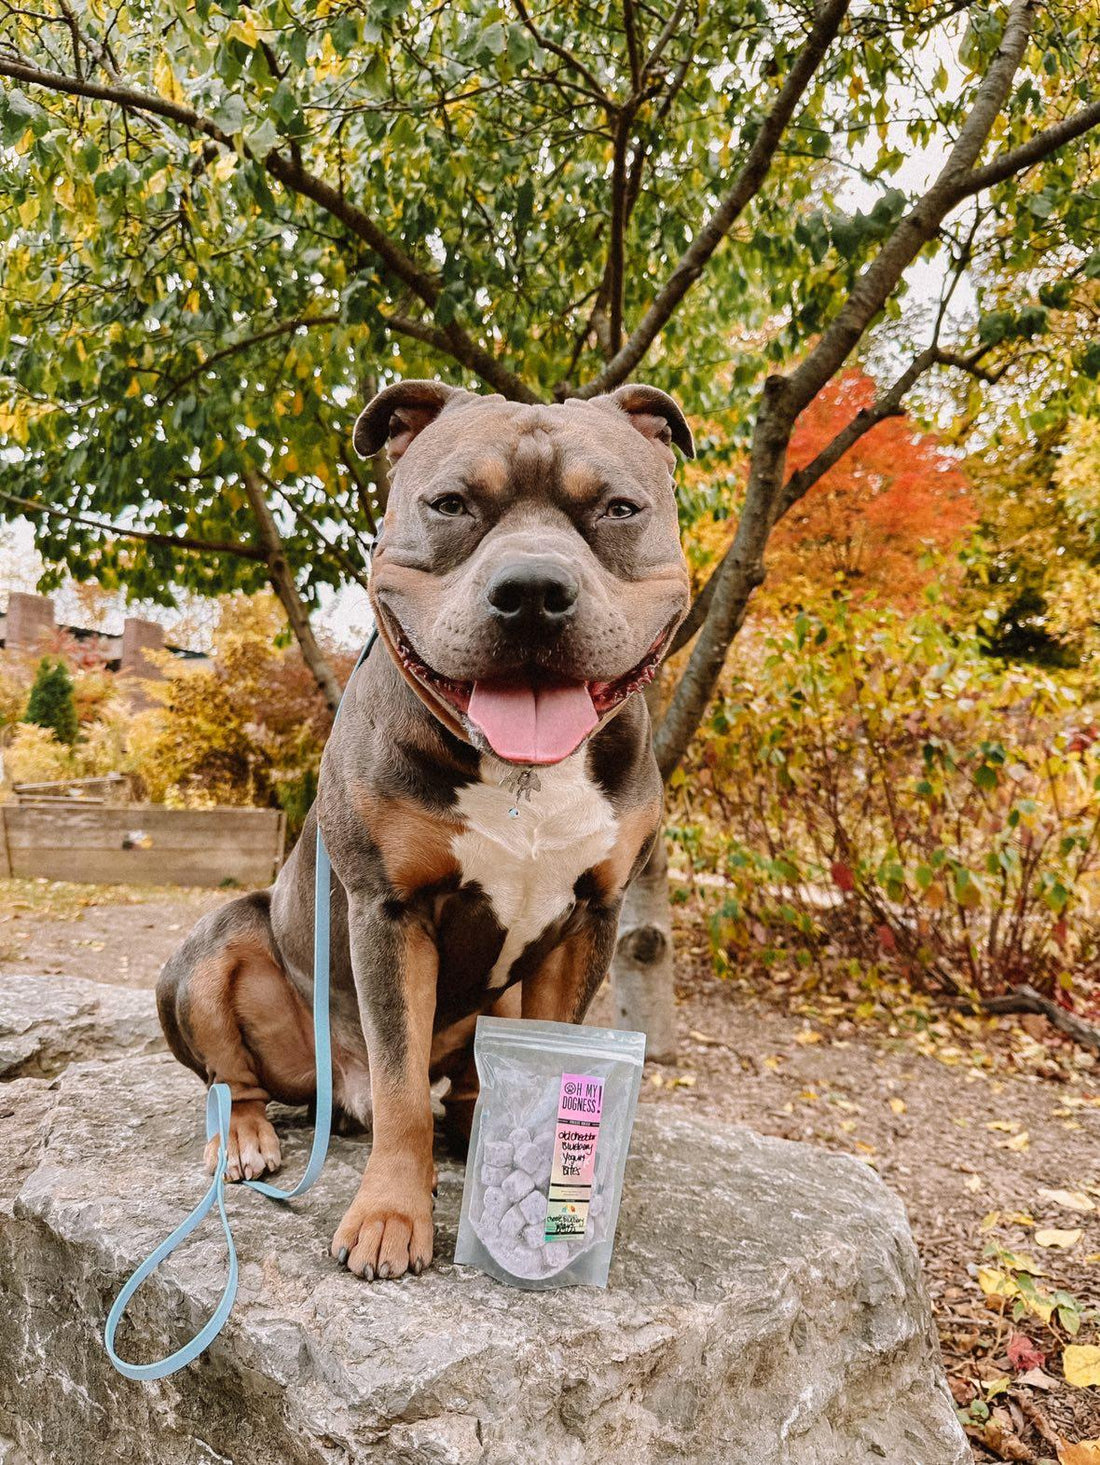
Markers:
point(517, 1185)
point(550, 1136)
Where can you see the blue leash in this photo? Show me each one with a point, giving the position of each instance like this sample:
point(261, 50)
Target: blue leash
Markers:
point(218, 1108)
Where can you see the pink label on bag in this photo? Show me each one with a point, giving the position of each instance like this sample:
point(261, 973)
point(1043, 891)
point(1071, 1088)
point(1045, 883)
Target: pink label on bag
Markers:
point(580, 1105)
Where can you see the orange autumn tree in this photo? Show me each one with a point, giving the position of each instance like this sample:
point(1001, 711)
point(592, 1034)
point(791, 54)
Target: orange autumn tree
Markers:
point(869, 520)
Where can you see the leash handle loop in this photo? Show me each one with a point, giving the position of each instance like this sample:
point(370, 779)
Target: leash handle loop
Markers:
point(218, 1115)
point(218, 1105)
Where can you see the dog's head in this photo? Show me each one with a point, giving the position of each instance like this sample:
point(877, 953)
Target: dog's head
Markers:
point(529, 575)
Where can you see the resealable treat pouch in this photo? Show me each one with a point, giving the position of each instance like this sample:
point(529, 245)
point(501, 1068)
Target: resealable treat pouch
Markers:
point(548, 1148)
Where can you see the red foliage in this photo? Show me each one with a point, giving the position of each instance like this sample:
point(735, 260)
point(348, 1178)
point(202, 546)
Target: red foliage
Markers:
point(895, 494)
point(842, 875)
point(1023, 1354)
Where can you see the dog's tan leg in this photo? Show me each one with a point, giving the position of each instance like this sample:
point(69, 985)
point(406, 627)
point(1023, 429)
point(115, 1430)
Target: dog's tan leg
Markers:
point(387, 1229)
point(561, 989)
point(458, 1065)
point(230, 1013)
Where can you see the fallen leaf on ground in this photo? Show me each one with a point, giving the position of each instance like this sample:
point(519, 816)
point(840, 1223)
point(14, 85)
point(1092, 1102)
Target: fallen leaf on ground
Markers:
point(1023, 1354)
point(807, 1035)
point(973, 1182)
point(1038, 1378)
point(1018, 1142)
point(1010, 1126)
point(1084, 1452)
point(1081, 1365)
point(898, 1106)
point(705, 1038)
point(1070, 1200)
point(1053, 1236)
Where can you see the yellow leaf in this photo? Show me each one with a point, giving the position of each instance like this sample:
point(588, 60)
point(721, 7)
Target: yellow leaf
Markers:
point(223, 168)
point(1021, 1141)
point(164, 79)
point(898, 1106)
point(244, 28)
point(1081, 1365)
point(1084, 1452)
point(1070, 1200)
point(807, 1036)
point(973, 1182)
point(1009, 1126)
point(989, 1220)
point(1052, 1236)
point(996, 1284)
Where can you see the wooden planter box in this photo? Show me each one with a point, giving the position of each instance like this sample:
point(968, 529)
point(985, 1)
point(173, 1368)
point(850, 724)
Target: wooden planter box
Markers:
point(141, 844)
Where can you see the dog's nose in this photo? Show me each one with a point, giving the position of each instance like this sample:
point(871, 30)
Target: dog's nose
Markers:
point(532, 595)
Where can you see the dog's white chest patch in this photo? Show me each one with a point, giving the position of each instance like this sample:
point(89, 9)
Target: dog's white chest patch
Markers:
point(528, 864)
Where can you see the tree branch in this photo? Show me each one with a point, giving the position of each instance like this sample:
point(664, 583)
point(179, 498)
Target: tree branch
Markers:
point(633, 50)
point(573, 62)
point(746, 185)
point(784, 398)
point(887, 404)
point(337, 551)
point(150, 536)
point(920, 225)
point(616, 250)
point(1026, 999)
point(672, 25)
point(283, 328)
point(296, 178)
point(283, 583)
point(1019, 159)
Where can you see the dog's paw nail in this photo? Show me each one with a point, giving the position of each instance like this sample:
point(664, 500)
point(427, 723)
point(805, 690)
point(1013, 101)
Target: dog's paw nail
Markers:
point(368, 1274)
point(417, 1267)
point(342, 1256)
point(384, 1271)
point(435, 1191)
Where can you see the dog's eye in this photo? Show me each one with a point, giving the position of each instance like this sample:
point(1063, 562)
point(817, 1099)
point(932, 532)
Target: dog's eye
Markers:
point(621, 509)
point(451, 505)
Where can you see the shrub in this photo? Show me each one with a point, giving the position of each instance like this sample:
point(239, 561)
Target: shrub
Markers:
point(51, 703)
point(34, 755)
point(877, 787)
point(249, 728)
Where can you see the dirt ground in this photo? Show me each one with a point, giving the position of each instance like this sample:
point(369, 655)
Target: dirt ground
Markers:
point(988, 1130)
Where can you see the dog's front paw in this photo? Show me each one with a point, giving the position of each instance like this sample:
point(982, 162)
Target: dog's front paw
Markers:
point(253, 1144)
point(387, 1229)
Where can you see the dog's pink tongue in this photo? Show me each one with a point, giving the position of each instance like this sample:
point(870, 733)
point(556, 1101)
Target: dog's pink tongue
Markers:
point(532, 724)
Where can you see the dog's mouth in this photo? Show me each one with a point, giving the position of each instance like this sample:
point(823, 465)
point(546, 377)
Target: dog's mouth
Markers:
point(533, 717)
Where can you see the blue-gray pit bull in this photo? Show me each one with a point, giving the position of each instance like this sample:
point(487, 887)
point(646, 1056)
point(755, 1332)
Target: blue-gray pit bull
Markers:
point(526, 583)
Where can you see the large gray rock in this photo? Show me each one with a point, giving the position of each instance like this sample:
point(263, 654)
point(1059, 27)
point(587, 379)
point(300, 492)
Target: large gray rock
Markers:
point(46, 1023)
point(765, 1306)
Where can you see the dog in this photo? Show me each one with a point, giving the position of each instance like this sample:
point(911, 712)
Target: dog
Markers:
point(487, 794)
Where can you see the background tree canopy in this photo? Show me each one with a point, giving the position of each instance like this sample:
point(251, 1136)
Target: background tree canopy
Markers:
point(224, 224)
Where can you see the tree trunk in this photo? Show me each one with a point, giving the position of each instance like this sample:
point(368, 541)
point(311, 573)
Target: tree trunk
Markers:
point(641, 972)
point(282, 582)
point(641, 969)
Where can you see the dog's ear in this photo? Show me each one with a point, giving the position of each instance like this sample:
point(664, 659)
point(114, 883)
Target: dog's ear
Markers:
point(398, 413)
point(655, 414)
